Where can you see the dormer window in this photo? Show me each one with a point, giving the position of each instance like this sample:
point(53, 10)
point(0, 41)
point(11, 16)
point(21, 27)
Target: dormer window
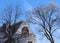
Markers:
point(25, 31)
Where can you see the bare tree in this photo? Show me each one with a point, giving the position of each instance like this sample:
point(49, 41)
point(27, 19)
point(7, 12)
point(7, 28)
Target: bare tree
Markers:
point(6, 17)
point(46, 18)
point(17, 13)
point(10, 17)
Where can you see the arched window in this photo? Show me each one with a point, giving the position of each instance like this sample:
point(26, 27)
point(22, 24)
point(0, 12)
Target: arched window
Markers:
point(25, 31)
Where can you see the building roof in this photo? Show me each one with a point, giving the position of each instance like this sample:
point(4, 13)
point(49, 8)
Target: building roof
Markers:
point(17, 27)
point(24, 24)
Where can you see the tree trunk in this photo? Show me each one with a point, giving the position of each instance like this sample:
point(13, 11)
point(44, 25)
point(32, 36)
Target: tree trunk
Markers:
point(51, 41)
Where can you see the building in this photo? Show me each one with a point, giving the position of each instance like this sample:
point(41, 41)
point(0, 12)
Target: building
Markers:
point(23, 34)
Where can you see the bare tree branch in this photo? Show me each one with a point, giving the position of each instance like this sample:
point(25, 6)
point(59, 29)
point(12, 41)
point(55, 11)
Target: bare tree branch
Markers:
point(43, 18)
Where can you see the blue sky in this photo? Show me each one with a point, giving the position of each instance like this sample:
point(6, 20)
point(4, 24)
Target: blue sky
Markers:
point(28, 5)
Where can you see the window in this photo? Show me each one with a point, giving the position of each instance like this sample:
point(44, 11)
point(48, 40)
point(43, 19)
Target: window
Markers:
point(29, 42)
point(25, 31)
